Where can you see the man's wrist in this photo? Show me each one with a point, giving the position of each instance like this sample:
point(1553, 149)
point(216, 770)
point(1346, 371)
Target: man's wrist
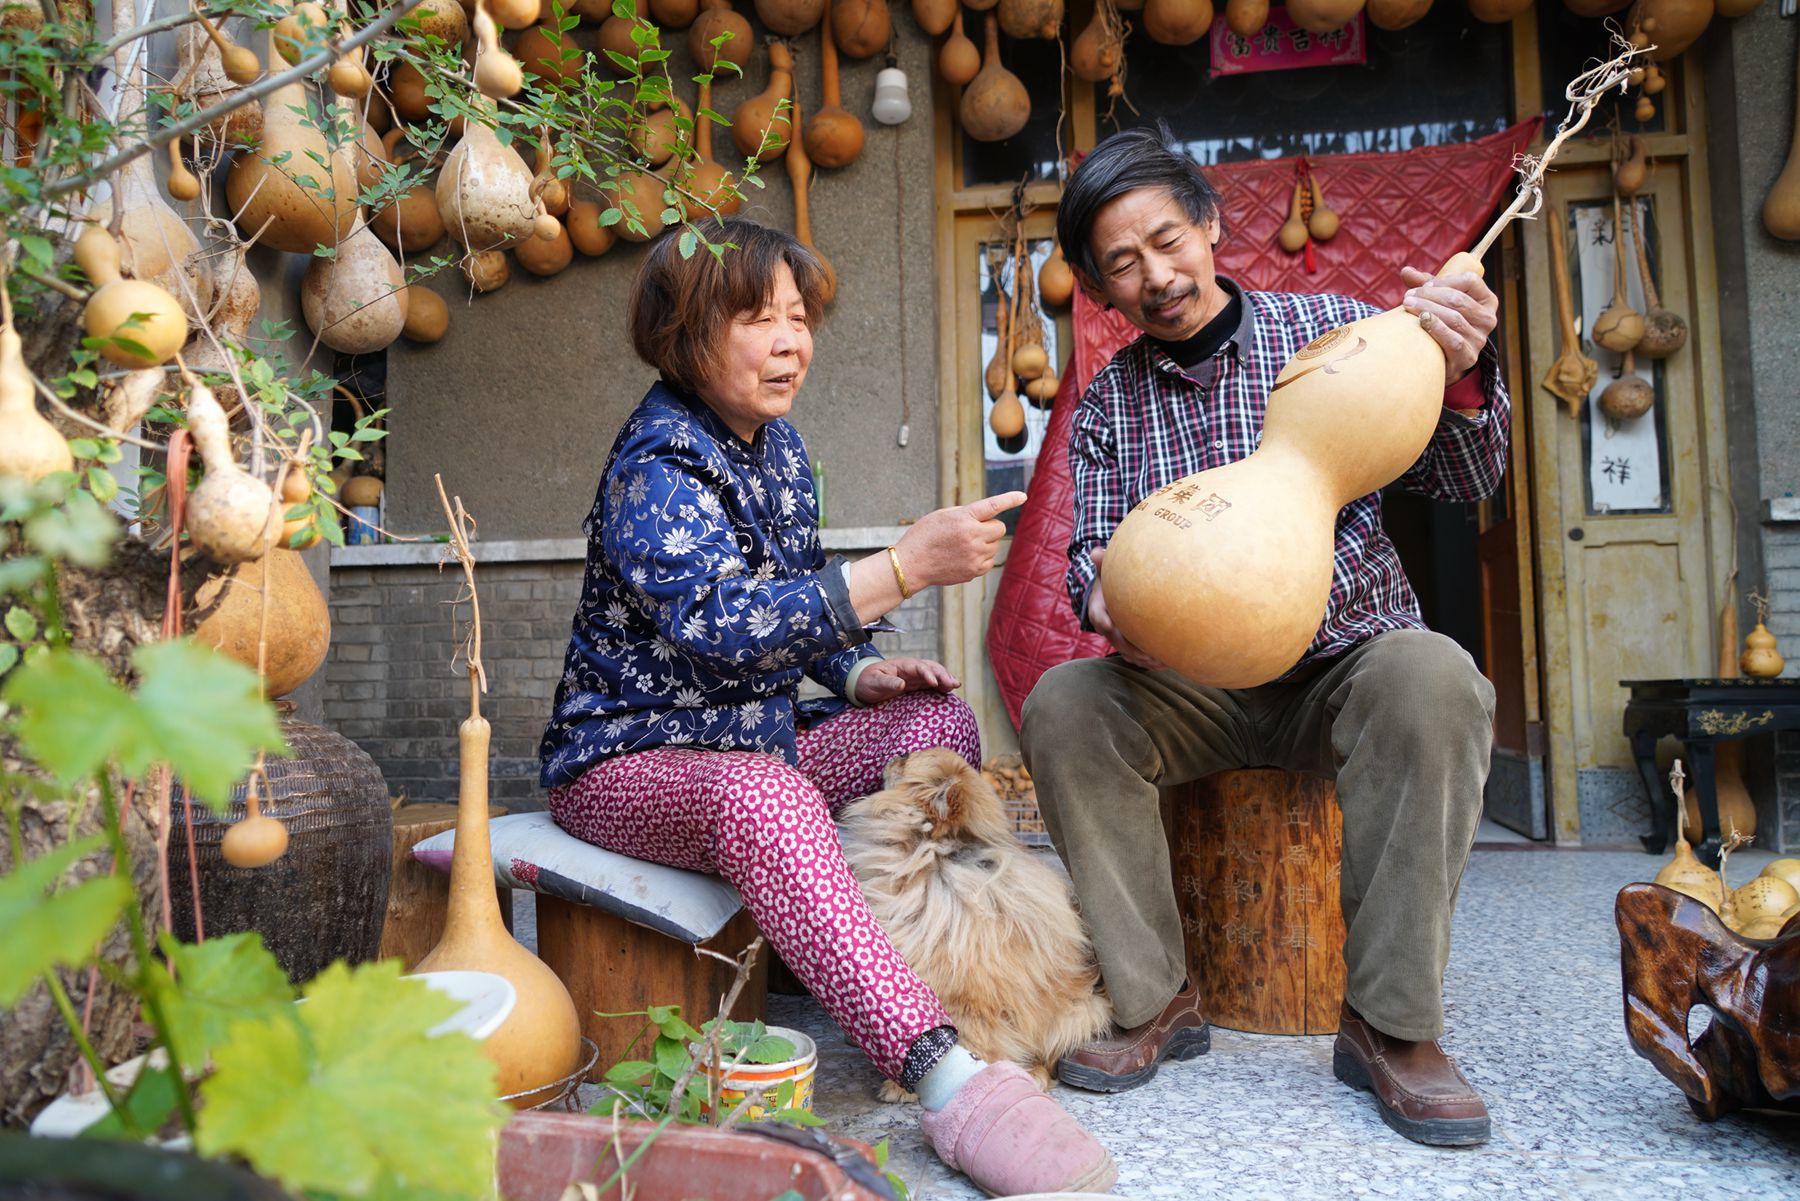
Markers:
point(1467, 392)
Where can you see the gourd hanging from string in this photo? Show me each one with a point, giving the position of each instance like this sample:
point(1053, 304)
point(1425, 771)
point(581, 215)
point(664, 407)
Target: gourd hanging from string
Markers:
point(1225, 574)
point(1056, 282)
point(294, 188)
point(999, 368)
point(1572, 376)
point(995, 105)
point(861, 28)
point(799, 170)
point(834, 137)
point(516, 14)
point(1665, 331)
point(546, 185)
point(141, 324)
point(355, 301)
point(1762, 657)
point(933, 16)
point(484, 191)
point(1100, 46)
point(959, 59)
point(760, 127)
point(1684, 873)
point(498, 74)
point(232, 515)
point(789, 18)
point(1631, 395)
point(1619, 327)
point(199, 62)
point(30, 447)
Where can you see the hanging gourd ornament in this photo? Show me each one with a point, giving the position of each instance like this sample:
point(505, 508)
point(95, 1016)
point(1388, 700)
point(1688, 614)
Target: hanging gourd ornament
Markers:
point(30, 447)
point(140, 322)
point(355, 301)
point(1322, 223)
point(484, 191)
point(1030, 18)
point(241, 65)
point(1619, 327)
point(862, 28)
point(1056, 282)
point(959, 60)
point(759, 127)
point(834, 136)
point(183, 184)
point(1761, 657)
point(1665, 331)
point(232, 515)
point(933, 16)
point(302, 531)
point(497, 73)
point(1098, 48)
point(995, 106)
point(1572, 376)
point(256, 839)
point(1182, 22)
point(1292, 234)
point(281, 191)
point(1684, 873)
point(410, 223)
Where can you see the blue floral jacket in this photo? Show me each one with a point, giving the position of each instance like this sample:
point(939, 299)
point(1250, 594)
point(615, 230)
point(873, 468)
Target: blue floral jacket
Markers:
point(706, 597)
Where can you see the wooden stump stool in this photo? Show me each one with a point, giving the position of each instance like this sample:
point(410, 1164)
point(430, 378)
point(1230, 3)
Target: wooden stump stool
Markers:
point(611, 965)
point(418, 897)
point(1256, 861)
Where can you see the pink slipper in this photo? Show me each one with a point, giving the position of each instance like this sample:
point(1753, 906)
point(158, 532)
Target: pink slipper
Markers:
point(1005, 1133)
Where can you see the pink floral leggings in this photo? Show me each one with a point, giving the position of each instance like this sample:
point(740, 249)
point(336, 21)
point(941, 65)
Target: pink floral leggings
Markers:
point(766, 827)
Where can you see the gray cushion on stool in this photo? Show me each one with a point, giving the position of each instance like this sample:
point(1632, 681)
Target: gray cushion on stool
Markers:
point(532, 851)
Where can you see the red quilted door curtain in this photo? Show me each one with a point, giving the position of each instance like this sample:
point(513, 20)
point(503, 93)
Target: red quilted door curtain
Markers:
point(1416, 207)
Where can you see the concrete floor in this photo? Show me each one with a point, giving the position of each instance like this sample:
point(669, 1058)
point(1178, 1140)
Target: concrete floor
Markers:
point(1534, 1014)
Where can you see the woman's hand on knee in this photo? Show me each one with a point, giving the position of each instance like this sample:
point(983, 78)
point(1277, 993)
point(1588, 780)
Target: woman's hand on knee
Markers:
point(885, 679)
point(955, 545)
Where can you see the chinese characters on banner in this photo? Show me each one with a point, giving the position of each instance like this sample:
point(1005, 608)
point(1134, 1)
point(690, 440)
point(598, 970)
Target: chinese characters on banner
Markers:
point(1283, 46)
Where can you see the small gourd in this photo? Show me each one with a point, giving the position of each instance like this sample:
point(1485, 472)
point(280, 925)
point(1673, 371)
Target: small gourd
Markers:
point(410, 223)
point(349, 78)
point(1665, 331)
point(498, 74)
point(1630, 172)
point(406, 83)
point(546, 256)
point(1619, 327)
point(1007, 419)
point(130, 309)
point(516, 14)
point(674, 14)
point(834, 137)
point(1323, 223)
point(789, 18)
point(446, 20)
point(183, 184)
point(427, 316)
point(995, 106)
point(232, 515)
point(760, 126)
point(1631, 395)
point(1246, 18)
point(545, 185)
point(486, 270)
point(1292, 234)
point(363, 491)
point(657, 137)
point(959, 61)
point(1761, 657)
point(1056, 282)
point(30, 447)
point(933, 16)
point(255, 840)
point(585, 231)
point(1029, 18)
point(1759, 908)
point(863, 28)
point(1393, 15)
point(1182, 22)
point(718, 20)
point(304, 21)
point(647, 194)
point(998, 375)
point(1572, 376)
point(1684, 873)
point(302, 531)
point(241, 65)
point(1042, 390)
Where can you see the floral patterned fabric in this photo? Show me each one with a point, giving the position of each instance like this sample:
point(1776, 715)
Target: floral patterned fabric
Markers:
point(706, 598)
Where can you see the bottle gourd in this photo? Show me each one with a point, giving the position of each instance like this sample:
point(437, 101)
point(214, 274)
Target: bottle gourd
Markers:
point(1224, 574)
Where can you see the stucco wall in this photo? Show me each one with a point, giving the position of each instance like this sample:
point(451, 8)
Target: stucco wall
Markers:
point(519, 404)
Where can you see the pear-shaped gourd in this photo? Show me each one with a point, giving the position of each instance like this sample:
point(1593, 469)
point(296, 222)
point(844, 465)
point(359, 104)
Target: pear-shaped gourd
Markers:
point(933, 16)
point(998, 376)
point(834, 137)
point(1761, 658)
point(1630, 396)
point(789, 18)
point(709, 186)
point(184, 185)
point(498, 74)
point(642, 191)
point(1630, 172)
point(228, 616)
point(995, 106)
point(799, 170)
point(959, 60)
point(1098, 50)
point(427, 316)
point(1686, 874)
point(760, 126)
point(232, 515)
point(355, 301)
point(1179, 22)
point(547, 53)
point(1392, 15)
point(1056, 282)
point(30, 447)
point(1292, 234)
point(586, 233)
point(1323, 16)
point(410, 223)
point(200, 61)
point(1673, 25)
point(546, 256)
point(717, 21)
point(1781, 208)
point(484, 191)
point(1619, 327)
point(1029, 18)
point(1007, 418)
point(141, 322)
point(281, 185)
point(1246, 18)
point(1224, 575)
point(861, 28)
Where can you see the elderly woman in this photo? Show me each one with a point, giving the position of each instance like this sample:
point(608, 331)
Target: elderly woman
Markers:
point(678, 736)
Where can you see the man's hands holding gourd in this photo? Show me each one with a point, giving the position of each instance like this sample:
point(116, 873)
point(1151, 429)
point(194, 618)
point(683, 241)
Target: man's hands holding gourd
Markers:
point(1459, 311)
point(1101, 619)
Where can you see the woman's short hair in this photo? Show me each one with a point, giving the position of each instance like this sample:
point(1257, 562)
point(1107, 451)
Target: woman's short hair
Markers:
point(681, 307)
point(1143, 157)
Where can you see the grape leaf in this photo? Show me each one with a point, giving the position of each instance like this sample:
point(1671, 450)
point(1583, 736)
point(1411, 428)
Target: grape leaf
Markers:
point(72, 715)
point(56, 930)
point(202, 714)
point(216, 983)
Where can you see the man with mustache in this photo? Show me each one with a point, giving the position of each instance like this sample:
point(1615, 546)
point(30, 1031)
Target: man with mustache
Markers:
point(1400, 717)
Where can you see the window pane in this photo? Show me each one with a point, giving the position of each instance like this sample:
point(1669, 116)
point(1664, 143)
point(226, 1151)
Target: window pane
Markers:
point(1404, 97)
point(1010, 461)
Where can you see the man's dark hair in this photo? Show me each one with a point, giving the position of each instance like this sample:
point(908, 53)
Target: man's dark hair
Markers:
point(1144, 157)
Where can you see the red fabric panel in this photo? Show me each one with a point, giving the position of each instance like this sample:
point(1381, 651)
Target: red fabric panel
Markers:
point(1414, 208)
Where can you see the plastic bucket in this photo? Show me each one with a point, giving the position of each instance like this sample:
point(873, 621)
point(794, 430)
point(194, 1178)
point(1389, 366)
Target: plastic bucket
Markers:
point(740, 1080)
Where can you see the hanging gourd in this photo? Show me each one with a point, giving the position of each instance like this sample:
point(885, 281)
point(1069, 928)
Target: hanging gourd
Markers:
point(241, 65)
point(293, 643)
point(355, 301)
point(256, 839)
point(674, 14)
point(1673, 25)
point(1631, 395)
point(998, 376)
point(657, 137)
point(1180, 22)
point(717, 21)
point(1100, 47)
point(1572, 376)
point(304, 23)
point(1225, 574)
point(516, 14)
point(183, 184)
point(1665, 331)
point(1292, 234)
point(294, 189)
point(141, 324)
point(427, 316)
point(959, 61)
point(30, 447)
point(861, 28)
point(933, 16)
point(498, 74)
point(1498, 12)
point(410, 223)
point(484, 191)
point(1322, 223)
point(1318, 16)
point(232, 515)
point(834, 137)
point(200, 63)
point(799, 170)
point(1030, 18)
point(995, 106)
point(643, 191)
point(348, 77)
point(709, 186)
point(546, 186)
point(1394, 15)
point(1029, 358)
point(1684, 873)
point(1630, 172)
point(1619, 327)
point(445, 20)
point(539, 1042)
point(406, 85)
point(616, 39)
point(760, 126)
point(1246, 18)
point(789, 18)
point(1781, 208)
point(586, 233)
point(546, 256)
point(1007, 418)
point(1056, 282)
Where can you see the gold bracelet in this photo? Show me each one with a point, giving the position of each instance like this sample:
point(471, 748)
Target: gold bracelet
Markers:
point(899, 575)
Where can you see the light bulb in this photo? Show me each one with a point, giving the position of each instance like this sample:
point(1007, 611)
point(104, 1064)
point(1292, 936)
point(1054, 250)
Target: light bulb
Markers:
point(892, 104)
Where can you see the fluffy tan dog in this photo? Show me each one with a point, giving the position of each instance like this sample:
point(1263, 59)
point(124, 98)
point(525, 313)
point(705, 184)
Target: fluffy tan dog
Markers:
point(991, 928)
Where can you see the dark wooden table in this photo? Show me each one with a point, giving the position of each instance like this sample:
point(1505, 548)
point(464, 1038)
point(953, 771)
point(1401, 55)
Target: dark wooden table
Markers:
point(1702, 713)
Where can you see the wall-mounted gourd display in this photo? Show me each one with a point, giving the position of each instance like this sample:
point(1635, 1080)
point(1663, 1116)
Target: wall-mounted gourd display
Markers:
point(861, 28)
point(484, 191)
point(656, 137)
point(410, 223)
point(995, 105)
point(959, 59)
point(281, 191)
point(789, 18)
point(30, 447)
point(1781, 208)
point(799, 171)
point(709, 186)
point(586, 233)
point(1183, 22)
point(1030, 18)
point(231, 516)
point(760, 128)
point(674, 14)
point(355, 301)
point(834, 137)
point(934, 16)
point(142, 324)
point(427, 316)
point(1393, 15)
point(1100, 46)
point(1571, 378)
point(718, 20)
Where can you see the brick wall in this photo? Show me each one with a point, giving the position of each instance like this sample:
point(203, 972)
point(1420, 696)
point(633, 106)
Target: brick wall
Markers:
point(391, 686)
point(1781, 570)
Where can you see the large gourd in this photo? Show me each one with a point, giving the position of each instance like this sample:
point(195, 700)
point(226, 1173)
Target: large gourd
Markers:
point(995, 106)
point(281, 184)
point(759, 127)
point(1179, 22)
point(142, 324)
point(228, 616)
point(355, 301)
point(484, 191)
point(1781, 208)
point(861, 28)
point(834, 137)
point(538, 1044)
point(30, 447)
point(1030, 18)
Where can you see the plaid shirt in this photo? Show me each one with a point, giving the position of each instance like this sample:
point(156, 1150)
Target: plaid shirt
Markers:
point(1144, 423)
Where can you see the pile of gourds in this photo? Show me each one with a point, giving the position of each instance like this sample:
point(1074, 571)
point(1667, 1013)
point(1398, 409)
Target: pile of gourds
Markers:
point(1759, 909)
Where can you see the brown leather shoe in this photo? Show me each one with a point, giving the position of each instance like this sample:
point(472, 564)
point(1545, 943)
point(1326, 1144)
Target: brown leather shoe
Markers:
point(1418, 1088)
point(1127, 1058)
